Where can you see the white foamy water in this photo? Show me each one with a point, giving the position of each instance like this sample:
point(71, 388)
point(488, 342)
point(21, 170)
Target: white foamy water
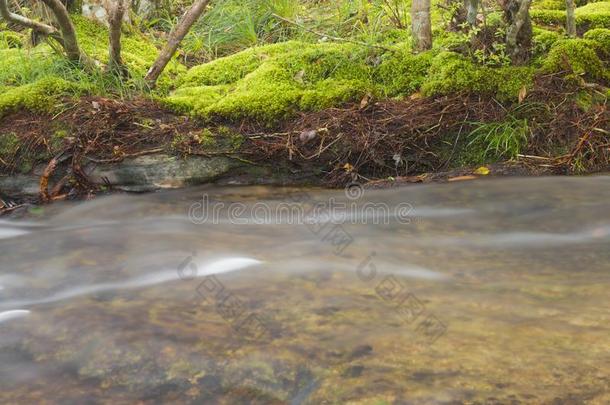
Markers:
point(14, 314)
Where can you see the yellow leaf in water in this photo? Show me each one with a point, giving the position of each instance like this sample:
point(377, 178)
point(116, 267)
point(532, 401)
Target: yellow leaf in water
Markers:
point(348, 168)
point(483, 171)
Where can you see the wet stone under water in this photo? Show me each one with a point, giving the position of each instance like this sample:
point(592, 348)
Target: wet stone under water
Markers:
point(486, 292)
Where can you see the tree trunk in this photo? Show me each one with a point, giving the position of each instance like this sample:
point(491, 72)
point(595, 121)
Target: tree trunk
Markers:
point(115, 20)
point(175, 37)
point(421, 26)
point(472, 9)
point(24, 21)
point(66, 36)
point(571, 18)
point(68, 33)
point(519, 32)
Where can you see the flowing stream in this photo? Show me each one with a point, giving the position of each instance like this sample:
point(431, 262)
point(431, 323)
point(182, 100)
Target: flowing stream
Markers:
point(488, 292)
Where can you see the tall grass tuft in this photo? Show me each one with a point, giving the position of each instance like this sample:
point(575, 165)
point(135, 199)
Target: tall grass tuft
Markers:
point(497, 140)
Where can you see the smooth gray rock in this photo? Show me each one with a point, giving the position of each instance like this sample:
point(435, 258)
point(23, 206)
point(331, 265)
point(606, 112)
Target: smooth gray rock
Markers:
point(159, 171)
point(144, 173)
point(20, 184)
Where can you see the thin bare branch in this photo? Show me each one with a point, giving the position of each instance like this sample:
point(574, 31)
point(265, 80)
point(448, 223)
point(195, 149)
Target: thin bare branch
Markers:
point(175, 38)
point(24, 21)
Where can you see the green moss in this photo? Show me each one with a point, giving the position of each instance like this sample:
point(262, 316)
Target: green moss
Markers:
point(232, 68)
point(330, 92)
point(584, 100)
point(577, 56)
point(592, 15)
point(543, 40)
point(403, 73)
point(195, 100)
point(549, 5)
point(548, 17)
point(452, 73)
point(38, 96)
point(9, 144)
point(272, 82)
point(602, 36)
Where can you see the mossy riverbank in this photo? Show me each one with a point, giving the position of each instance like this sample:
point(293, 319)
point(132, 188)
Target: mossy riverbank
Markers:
point(343, 111)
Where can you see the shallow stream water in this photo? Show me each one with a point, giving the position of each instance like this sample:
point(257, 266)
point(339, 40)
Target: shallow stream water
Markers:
point(489, 292)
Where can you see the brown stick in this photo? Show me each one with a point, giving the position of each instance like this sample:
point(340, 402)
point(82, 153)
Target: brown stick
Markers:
point(175, 38)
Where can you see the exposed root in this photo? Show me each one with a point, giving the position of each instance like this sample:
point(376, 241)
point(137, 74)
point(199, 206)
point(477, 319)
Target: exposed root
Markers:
point(45, 197)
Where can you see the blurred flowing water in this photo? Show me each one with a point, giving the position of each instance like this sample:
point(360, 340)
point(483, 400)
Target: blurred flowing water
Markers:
point(487, 292)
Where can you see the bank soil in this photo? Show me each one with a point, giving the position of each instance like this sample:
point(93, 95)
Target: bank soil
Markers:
point(377, 142)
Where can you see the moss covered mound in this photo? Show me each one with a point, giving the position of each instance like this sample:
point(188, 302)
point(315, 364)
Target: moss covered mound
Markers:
point(579, 57)
point(272, 82)
point(34, 79)
point(38, 96)
point(592, 15)
point(602, 36)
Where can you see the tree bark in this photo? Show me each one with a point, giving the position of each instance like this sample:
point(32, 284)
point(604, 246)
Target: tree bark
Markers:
point(519, 32)
point(571, 18)
point(421, 26)
point(66, 36)
point(24, 21)
point(115, 20)
point(472, 9)
point(175, 38)
point(68, 33)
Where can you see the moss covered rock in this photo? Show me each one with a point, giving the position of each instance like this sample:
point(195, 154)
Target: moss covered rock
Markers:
point(577, 56)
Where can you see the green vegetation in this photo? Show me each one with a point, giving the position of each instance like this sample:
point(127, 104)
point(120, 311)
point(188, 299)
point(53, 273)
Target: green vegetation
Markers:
point(578, 56)
point(267, 60)
point(592, 15)
point(498, 139)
